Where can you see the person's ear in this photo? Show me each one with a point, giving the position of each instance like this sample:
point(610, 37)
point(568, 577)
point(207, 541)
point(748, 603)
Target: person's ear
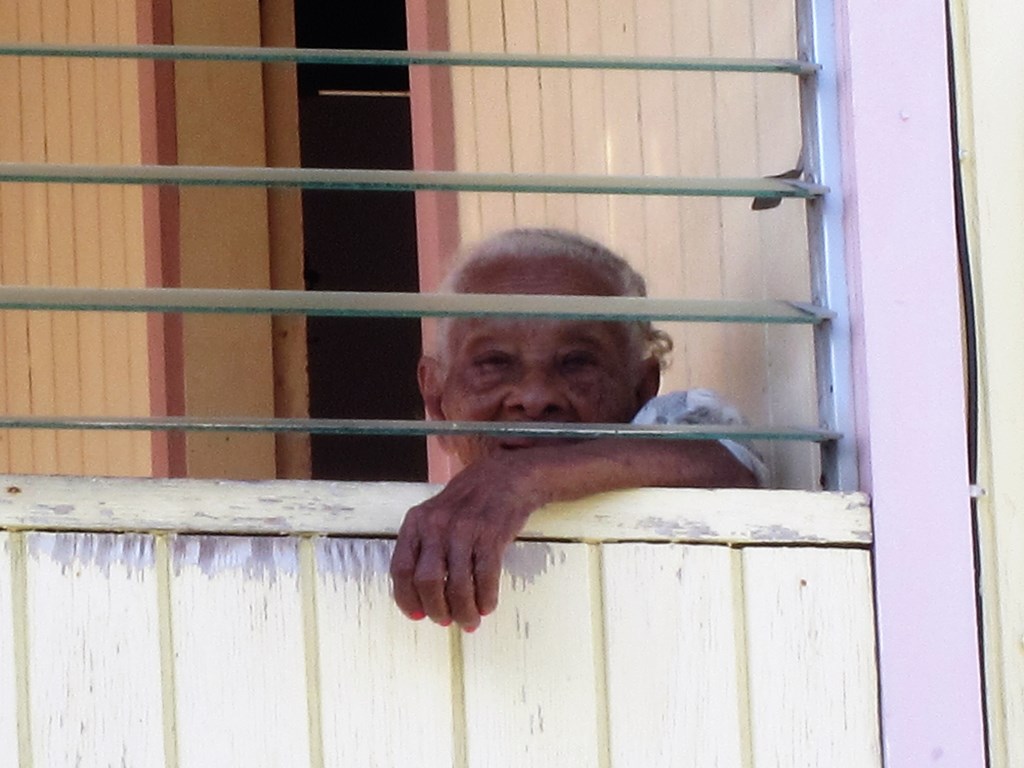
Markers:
point(431, 381)
point(649, 382)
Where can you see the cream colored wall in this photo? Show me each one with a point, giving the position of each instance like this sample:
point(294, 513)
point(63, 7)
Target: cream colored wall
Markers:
point(690, 124)
point(990, 108)
point(142, 634)
point(58, 110)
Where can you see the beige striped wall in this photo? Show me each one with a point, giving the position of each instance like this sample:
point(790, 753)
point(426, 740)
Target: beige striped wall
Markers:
point(71, 363)
point(557, 121)
point(82, 111)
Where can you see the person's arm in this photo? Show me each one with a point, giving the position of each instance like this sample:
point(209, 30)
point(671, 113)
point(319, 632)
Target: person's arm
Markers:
point(447, 561)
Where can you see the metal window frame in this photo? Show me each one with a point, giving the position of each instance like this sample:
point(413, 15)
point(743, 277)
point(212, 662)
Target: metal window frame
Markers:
point(819, 107)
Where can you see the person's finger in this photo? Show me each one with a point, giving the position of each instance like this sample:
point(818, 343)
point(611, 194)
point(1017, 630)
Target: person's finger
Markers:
point(429, 582)
point(486, 579)
point(459, 590)
point(403, 567)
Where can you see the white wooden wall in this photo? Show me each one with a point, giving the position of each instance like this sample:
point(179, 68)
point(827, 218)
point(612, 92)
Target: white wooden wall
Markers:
point(146, 624)
point(663, 124)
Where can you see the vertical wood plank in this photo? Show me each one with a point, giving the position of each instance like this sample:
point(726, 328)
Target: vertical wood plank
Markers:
point(386, 682)
point(731, 35)
point(587, 120)
point(623, 130)
point(114, 248)
point(12, 250)
point(660, 147)
point(463, 115)
point(524, 107)
point(8, 75)
point(287, 260)
point(556, 109)
point(37, 240)
point(93, 645)
point(240, 680)
point(86, 217)
point(811, 657)
point(60, 226)
point(674, 677)
point(5, 444)
point(701, 356)
point(530, 670)
point(140, 460)
point(785, 263)
point(492, 112)
point(8, 676)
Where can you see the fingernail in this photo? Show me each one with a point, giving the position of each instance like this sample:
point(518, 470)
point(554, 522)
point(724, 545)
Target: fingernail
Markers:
point(417, 615)
point(445, 623)
point(471, 630)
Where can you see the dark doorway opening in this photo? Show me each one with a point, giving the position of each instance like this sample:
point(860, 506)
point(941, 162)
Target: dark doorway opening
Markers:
point(358, 117)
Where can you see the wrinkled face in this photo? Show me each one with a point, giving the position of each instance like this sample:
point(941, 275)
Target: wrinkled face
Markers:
point(534, 369)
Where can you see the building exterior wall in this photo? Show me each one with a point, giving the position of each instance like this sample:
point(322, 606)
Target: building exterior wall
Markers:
point(108, 111)
point(990, 111)
point(63, 111)
point(922, 557)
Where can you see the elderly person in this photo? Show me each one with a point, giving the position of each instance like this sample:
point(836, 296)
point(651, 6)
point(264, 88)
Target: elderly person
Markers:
point(447, 560)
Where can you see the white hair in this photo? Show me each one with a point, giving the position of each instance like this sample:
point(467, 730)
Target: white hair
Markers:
point(541, 244)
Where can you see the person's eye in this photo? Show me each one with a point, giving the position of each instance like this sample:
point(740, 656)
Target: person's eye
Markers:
point(490, 362)
point(578, 361)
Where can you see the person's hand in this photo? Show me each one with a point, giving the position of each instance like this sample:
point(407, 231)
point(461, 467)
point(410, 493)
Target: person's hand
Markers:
point(447, 560)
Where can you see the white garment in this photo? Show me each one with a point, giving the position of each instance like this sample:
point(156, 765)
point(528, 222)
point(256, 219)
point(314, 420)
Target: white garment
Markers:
point(702, 406)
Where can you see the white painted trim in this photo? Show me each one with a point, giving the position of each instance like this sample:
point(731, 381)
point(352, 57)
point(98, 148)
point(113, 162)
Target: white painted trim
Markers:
point(278, 507)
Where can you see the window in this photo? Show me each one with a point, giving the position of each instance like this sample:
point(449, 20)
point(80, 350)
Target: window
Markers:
point(624, 123)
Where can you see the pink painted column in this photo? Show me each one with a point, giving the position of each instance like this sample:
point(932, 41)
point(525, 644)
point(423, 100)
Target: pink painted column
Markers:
point(908, 370)
point(433, 148)
point(160, 223)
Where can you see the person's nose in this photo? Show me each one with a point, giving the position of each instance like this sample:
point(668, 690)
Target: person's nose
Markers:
point(536, 396)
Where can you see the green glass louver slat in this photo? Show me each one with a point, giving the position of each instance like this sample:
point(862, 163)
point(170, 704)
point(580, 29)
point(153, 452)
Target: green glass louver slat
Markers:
point(409, 305)
point(407, 58)
point(377, 304)
point(391, 180)
point(418, 428)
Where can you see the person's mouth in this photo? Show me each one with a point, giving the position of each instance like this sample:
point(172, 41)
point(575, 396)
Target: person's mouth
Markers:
point(519, 443)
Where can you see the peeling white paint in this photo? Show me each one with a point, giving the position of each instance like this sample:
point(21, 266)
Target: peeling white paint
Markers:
point(75, 551)
point(359, 560)
point(256, 557)
point(525, 562)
